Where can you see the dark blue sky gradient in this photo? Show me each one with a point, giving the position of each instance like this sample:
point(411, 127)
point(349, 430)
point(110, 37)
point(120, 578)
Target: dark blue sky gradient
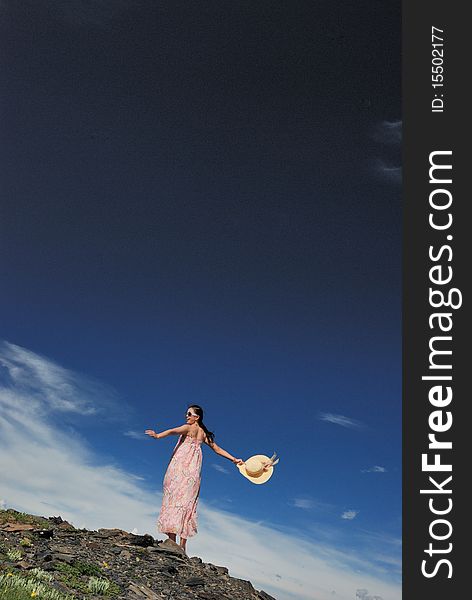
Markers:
point(193, 211)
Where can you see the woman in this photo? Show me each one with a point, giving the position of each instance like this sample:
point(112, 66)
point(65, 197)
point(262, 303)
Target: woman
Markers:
point(181, 487)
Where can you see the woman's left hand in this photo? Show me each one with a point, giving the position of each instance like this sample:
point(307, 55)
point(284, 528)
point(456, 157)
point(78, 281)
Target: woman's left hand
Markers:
point(150, 432)
point(238, 461)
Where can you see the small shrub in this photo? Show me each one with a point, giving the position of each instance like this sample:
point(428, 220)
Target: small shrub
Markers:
point(86, 568)
point(14, 555)
point(98, 585)
point(41, 575)
point(71, 577)
point(26, 542)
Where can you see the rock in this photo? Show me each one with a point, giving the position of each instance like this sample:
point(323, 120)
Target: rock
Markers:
point(14, 527)
point(193, 581)
point(61, 587)
point(154, 549)
point(45, 534)
point(204, 595)
point(65, 558)
point(264, 595)
point(61, 524)
point(94, 545)
point(142, 568)
point(43, 556)
point(244, 585)
point(172, 570)
point(215, 569)
point(61, 549)
point(141, 540)
point(66, 526)
point(172, 547)
point(112, 533)
point(48, 566)
point(142, 591)
point(165, 575)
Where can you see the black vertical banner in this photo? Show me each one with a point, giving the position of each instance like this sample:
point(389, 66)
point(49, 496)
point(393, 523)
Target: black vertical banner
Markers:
point(436, 319)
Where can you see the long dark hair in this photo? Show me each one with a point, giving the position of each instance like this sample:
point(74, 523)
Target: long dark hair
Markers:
point(199, 411)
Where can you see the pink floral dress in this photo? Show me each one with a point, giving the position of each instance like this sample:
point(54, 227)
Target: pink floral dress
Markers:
point(181, 489)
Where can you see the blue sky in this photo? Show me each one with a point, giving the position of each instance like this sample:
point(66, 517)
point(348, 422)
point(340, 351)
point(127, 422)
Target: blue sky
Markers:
point(204, 207)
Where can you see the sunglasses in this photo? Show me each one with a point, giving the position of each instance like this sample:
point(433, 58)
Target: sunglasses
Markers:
point(189, 414)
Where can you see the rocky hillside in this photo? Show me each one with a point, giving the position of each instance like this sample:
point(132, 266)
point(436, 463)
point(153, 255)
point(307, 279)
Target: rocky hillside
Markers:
point(49, 559)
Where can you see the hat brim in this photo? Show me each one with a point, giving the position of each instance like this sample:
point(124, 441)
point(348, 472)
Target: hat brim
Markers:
point(265, 476)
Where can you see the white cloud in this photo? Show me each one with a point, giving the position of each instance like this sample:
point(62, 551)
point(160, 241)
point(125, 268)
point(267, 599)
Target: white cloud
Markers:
point(47, 468)
point(309, 570)
point(341, 420)
point(49, 471)
point(388, 171)
point(219, 468)
point(389, 132)
point(385, 547)
point(388, 165)
point(3, 504)
point(349, 514)
point(136, 435)
point(374, 469)
point(308, 503)
point(303, 503)
point(51, 388)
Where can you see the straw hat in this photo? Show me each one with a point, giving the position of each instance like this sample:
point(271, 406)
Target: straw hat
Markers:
point(258, 468)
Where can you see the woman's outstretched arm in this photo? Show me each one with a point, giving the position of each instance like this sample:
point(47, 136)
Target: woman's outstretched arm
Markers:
point(221, 452)
point(174, 431)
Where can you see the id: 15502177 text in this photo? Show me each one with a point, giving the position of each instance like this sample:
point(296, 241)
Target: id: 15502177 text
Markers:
point(437, 69)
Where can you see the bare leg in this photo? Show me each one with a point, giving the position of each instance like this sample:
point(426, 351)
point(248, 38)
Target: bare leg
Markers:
point(183, 542)
point(172, 537)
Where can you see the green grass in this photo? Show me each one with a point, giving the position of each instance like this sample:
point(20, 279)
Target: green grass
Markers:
point(14, 594)
point(87, 568)
point(14, 586)
point(71, 577)
point(98, 585)
point(78, 576)
point(78, 568)
point(14, 555)
point(41, 575)
point(13, 516)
